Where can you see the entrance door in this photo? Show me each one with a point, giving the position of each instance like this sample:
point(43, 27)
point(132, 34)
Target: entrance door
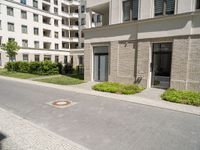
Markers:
point(161, 65)
point(101, 67)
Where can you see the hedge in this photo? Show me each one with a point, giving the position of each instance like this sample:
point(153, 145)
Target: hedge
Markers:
point(40, 68)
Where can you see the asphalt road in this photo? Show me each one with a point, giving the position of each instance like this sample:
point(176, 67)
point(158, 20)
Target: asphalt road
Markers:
point(100, 123)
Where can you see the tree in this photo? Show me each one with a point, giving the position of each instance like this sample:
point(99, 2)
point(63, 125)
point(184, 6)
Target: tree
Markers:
point(11, 48)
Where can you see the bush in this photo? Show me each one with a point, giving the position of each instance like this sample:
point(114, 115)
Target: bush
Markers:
point(40, 68)
point(119, 88)
point(68, 69)
point(183, 97)
point(60, 68)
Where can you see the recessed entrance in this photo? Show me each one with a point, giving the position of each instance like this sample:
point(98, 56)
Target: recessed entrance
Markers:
point(100, 69)
point(161, 65)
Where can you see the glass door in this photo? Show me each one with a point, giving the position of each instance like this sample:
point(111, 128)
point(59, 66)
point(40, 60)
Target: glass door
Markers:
point(101, 67)
point(161, 65)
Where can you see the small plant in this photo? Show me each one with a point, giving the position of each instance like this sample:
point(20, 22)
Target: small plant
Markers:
point(183, 97)
point(118, 88)
point(11, 48)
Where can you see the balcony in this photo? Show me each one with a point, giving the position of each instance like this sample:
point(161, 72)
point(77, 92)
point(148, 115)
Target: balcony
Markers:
point(72, 2)
point(46, 7)
point(46, 33)
point(99, 15)
point(47, 45)
point(46, 20)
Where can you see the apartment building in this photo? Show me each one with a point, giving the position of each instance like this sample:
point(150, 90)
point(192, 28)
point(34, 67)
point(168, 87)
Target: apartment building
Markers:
point(155, 43)
point(45, 30)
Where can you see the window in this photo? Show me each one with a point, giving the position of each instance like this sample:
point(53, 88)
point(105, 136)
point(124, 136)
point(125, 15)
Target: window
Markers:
point(24, 43)
point(11, 39)
point(82, 9)
point(56, 46)
point(25, 57)
point(23, 14)
point(198, 4)
point(0, 60)
point(80, 58)
point(11, 27)
point(56, 22)
point(55, 2)
point(36, 31)
point(37, 58)
point(0, 40)
point(130, 10)
point(13, 58)
point(36, 44)
point(35, 18)
point(23, 2)
point(164, 7)
point(55, 10)
point(10, 11)
point(56, 34)
point(65, 59)
point(0, 24)
point(24, 29)
point(99, 18)
point(47, 57)
point(83, 21)
point(56, 59)
point(35, 3)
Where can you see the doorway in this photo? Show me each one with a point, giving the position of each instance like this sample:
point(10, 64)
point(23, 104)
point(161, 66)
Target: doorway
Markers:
point(100, 64)
point(161, 65)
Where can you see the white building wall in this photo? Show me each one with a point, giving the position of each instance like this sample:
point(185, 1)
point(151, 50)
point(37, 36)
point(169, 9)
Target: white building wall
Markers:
point(19, 36)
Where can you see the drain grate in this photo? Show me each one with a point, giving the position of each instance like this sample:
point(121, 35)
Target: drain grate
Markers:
point(61, 103)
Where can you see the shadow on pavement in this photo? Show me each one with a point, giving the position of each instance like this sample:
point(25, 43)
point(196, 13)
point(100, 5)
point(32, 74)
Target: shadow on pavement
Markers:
point(2, 137)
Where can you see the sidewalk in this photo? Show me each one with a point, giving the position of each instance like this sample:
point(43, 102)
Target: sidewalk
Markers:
point(138, 98)
point(17, 133)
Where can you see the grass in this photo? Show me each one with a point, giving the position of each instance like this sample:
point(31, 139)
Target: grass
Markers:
point(183, 97)
point(4, 72)
point(113, 87)
point(64, 80)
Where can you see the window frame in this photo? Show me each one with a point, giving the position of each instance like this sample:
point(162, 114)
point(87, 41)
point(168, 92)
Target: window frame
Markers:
point(23, 56)
point(197, 5)
point(164, 12)
point(131, 18)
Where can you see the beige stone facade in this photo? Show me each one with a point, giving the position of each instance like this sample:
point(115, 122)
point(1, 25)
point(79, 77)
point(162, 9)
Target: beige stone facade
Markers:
point(129, 61)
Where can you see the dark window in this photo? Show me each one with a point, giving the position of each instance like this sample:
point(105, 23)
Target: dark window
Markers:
point(80, 60)
point(65, 59)
point(25, 57)
point(198, 4)
point(47, 57)
point(130, 10)
point(37, 58)
point(56, 59)
point(164, 7)
point(126, 10)
point(82, 8)
point(23, 2)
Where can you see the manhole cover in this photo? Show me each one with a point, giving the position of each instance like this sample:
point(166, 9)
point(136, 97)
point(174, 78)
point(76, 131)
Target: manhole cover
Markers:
point(61, 103)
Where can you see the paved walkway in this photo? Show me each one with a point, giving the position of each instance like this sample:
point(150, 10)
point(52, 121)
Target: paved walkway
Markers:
point(17, 133)
point(140, 98)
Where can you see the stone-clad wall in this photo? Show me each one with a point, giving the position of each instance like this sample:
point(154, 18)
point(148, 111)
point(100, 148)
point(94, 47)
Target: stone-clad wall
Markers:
point(193, 81)
point(129, 62)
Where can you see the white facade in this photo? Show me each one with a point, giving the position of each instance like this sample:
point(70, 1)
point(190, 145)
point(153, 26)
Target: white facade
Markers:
point(48, 28)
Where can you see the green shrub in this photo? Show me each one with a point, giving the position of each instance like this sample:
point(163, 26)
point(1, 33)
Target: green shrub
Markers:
point(60, 68)
point(40, 68)
point(68, 69)
point(119, 88)
point(23, 67)
point(183, 97)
